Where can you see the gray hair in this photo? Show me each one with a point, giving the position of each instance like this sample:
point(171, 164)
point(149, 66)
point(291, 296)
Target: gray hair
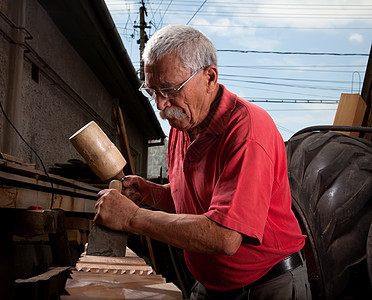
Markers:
point(193, 48)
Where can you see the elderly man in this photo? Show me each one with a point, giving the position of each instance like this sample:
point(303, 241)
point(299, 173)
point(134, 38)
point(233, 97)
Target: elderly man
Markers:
point(228, 203)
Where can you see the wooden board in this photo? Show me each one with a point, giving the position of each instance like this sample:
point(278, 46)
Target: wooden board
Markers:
point(17, 160)
point(11, 167)
point(126, 277)
point(43, 286)
point(350, 112)
point(130, 264)
point(22, 187)
point(23, 198)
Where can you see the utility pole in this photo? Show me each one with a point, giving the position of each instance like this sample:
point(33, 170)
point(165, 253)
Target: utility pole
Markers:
point(143, 37)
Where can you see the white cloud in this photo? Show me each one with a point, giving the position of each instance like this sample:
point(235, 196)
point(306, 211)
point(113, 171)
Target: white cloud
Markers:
point(356, 37)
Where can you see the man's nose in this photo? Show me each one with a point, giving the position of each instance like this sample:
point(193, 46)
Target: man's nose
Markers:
point(161, 101)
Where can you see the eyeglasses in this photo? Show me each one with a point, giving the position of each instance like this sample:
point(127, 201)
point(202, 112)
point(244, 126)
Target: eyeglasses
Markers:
point(168, 93)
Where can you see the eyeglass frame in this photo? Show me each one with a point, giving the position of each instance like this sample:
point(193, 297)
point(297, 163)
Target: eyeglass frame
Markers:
point(153, 95)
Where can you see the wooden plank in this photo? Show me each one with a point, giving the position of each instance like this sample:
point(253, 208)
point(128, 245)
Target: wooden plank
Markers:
point(115, 269)
point(123, 138)
point(14, 168)
point(38, 184)
point(43, 286)
point(135, 261)
point(350, 112)
point(130, 281)
point(12, 158)
point(21, 191)
point(137, 283)
point(130, 253)
point(8, 196)
point(130, 264)
point(108, 286)
point(164, 288)
point(22, 198)
point(45, 276)
point(115, 290)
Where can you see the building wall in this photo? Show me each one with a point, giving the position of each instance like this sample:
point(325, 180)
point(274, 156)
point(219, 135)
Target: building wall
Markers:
point(158, 161)
point(4, 48)
point(49, 92)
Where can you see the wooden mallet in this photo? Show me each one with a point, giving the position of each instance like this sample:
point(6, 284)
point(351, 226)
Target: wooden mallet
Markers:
point(106, 162)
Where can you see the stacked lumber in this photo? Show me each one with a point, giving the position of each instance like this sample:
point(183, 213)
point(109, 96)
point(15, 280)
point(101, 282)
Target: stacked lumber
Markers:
point(130, 264)
point(22, 187)
point(78, 170)
point(16, 160)
point(129, 277)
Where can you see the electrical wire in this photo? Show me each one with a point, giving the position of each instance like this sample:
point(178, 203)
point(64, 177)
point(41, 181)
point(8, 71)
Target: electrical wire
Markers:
point(281, 78)
point(291, 53)
point(188, 22)
point(162, 17)
point(284, 27)
point(290, 101)
point(287, 85)
point(287, 68)
point(33, 150)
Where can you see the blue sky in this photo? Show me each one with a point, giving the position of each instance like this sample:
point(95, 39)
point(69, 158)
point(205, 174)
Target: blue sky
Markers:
point(306, 29)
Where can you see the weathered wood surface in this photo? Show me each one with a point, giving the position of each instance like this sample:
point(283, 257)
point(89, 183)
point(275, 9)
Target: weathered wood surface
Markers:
point(130, 264)
point(43, 286)
point(11, 167)
point(28, 223)
point(22, 187)
point(126, 277)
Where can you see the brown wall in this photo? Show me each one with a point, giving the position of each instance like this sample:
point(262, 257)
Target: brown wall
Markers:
point(65, 95)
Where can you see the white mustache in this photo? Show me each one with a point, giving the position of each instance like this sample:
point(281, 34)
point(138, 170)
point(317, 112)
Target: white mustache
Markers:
point(172, 113)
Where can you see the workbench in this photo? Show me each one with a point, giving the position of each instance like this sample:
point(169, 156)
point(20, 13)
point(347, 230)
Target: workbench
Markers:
point(39, 240)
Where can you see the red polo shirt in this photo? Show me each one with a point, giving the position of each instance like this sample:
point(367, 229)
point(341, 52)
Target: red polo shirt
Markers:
point(235, 173)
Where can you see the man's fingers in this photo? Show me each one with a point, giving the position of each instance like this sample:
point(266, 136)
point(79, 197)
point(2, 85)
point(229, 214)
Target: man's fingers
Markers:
point(130, 181)
point(130, 190)
point(102, 192)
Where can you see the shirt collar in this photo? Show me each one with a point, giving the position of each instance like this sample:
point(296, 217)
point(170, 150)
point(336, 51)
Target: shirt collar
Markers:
point(221, 117)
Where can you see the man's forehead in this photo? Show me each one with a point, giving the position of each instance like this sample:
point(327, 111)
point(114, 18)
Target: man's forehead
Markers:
point(166, 62)
point(165, 72)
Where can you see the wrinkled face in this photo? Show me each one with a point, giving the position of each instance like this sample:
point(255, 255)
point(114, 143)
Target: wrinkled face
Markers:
point(188, 107)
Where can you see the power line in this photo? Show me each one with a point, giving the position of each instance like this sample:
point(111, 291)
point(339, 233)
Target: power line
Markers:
point(283, 128)
point(293, 53)
point(296, 66)
point(287, 79)
point(300, 109)
point(284, 27)
point(217, 3)
point(162, 17)
point(294, 69)
point(243, 14)
point(287, 85)
point(196, 12)
point(277, 91)
point(294, 15)
point(291, 101)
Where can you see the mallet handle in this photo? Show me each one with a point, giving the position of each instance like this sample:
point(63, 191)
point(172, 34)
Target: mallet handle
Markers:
point(115, 184)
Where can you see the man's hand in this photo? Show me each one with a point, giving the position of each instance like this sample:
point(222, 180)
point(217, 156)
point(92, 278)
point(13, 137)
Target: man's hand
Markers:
point(135, 188)
point(142, 191)
point(114, 210)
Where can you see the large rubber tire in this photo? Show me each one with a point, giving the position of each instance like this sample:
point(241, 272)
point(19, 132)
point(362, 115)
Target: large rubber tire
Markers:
point(331, 183)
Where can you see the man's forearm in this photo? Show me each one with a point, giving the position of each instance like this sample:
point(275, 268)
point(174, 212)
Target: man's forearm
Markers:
point(190, 232)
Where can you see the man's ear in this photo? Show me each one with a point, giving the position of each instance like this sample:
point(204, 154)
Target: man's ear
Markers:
point(212, 75)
